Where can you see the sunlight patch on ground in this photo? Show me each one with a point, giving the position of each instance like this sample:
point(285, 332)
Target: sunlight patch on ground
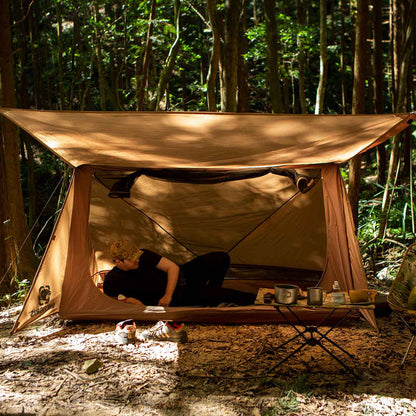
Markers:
point(376, 405)
point(159, 350)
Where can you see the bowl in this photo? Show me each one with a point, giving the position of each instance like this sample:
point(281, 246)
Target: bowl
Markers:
point(362, 295)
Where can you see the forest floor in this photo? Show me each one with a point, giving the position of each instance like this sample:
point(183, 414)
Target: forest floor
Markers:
point(220, 371)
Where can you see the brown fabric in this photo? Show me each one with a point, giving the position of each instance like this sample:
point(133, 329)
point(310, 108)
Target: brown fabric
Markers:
point(217, 140)
point(51, 271)
point(343, 260)
point(294, 237)
point(262, 221)
point(82, 300)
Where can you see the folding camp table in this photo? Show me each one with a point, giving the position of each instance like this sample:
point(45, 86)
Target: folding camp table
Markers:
point(314, 334)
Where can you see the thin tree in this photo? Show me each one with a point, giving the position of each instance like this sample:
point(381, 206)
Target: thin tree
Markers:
point(323, 61)
point(171, 59)
point(379, 84)
point(215, 54)
point(105, 90)
point(144, 72)
point(300, 13)
point(5, 252)
point(342, 58)
point(60, 51)
point(243, 90)
point(272, 57)
point(358, 97)
point(229, 56)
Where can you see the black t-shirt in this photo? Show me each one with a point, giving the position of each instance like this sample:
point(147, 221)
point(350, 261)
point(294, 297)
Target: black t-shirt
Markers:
point(146, 283)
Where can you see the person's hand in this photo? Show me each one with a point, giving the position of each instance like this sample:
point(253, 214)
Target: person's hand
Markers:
point(165, 300)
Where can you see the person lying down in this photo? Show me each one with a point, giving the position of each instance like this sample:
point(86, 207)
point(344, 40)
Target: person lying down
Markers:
point(145, 278)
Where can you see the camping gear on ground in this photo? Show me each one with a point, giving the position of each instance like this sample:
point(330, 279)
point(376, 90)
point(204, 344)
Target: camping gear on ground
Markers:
point(286, 294)
point(184, 184)
point(316, 296)
point(400, 291)
point(362, 295)
point(312, 334)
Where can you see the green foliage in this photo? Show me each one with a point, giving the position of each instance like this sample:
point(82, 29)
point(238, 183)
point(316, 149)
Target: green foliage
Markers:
point(19, 295)
point(119, 31)
point(287, 404)
point(300, 385)
point(399, 219)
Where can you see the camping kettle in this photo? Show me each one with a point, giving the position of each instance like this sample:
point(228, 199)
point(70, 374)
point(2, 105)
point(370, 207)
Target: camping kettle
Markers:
point(286, 294)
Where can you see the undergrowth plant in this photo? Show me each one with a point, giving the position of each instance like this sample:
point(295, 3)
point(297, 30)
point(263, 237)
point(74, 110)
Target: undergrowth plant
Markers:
point(17, 297)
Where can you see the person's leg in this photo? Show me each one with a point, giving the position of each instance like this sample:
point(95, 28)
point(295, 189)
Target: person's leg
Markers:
point(208, 269)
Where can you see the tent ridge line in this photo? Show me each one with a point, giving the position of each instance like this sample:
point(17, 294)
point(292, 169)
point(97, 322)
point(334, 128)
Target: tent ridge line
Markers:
point(5, 110)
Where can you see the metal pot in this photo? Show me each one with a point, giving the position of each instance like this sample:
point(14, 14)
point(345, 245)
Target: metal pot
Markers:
point(286, 294)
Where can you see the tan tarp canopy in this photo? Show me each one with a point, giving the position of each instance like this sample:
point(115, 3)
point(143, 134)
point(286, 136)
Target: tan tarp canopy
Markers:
point(263, 222)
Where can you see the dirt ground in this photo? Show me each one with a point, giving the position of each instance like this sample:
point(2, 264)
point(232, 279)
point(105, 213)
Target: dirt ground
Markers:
point(222, 370)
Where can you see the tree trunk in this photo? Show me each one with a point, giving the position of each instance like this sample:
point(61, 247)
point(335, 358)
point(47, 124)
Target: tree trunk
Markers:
point(142, 83)
point(358, 98)
point(272, 57)
point(5, 255)
point(171, 59)
point(301, 57)
point(342, 59)
point(243, 94)
point(105, 90)
point(25, 103)
point(397, 25)
point(379, 85)
point(407, 154)
point(215, 55)
point(36, 56)
point(229, 56)
point(19, 244)
point(76, 55)
point(32, 191)
point(184, 86)
point(286, 89)
point(61, 85)
point(101, 75)
point(323, 62)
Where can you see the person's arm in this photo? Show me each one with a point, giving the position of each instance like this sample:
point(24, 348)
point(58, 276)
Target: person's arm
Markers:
point(133, 301)
point(172, 271)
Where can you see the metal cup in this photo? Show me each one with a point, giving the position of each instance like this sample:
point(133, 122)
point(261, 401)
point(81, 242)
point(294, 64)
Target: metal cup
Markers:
point(316, 296)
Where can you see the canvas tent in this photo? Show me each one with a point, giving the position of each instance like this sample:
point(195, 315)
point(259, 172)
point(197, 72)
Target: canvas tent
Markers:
point(189, 183)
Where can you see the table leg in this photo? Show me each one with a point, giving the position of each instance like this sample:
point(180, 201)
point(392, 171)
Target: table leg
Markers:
point(311, 339)
point(286, 358)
